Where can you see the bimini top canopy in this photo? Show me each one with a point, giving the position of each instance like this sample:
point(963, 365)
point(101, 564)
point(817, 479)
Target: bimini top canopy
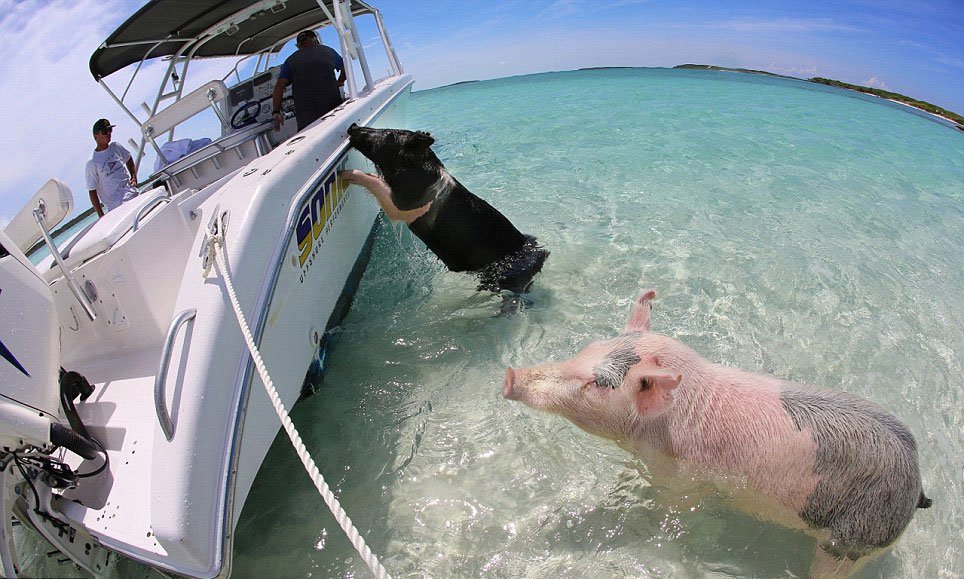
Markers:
point(210, 28)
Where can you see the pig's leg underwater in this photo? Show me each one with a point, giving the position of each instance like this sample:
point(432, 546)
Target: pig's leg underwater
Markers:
point(828, 566)
point(511, 276)
point(464, 231)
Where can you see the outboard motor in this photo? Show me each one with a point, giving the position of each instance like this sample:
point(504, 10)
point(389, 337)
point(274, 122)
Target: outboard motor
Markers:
point(29, 352)
point(30, 373)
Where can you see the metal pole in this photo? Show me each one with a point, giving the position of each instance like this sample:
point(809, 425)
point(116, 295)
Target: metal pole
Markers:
point(38, 215)
point(167, 76)
point(358, 48)
point(387, 43)
point(345, 47)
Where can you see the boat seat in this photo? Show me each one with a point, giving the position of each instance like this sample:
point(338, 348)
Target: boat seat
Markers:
point(57, 201)
point(106, 231)
point(207, 95)
point(221, 157)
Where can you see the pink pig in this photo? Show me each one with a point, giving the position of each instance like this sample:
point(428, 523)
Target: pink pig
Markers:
point(836, 465)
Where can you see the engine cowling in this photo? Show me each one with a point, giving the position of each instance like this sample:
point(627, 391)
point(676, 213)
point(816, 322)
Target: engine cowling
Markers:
point(29, 351)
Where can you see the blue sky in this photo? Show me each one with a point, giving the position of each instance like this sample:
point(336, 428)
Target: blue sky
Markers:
point(914, 47)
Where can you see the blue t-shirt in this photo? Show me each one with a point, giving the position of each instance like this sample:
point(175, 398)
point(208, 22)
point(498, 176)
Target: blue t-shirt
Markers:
point(285, 71)
point(311, 72)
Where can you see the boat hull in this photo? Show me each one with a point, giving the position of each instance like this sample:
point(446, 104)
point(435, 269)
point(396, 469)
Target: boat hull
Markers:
point(297, 240)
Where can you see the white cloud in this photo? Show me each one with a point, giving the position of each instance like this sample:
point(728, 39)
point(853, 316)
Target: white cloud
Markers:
point(51, 100)
point(874, 82)
point(938, 55)
point(951, 61)
point(561, 9)
point(782, 25)
point(797, 71)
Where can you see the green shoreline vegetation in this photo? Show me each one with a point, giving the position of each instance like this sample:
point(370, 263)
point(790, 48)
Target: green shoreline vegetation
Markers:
point(924, 106)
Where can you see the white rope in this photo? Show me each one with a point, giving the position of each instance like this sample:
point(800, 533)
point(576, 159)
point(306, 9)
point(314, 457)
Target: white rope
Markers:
point(216, 240)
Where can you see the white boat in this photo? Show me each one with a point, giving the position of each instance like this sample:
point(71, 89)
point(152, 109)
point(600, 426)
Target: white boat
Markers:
point(136, 305)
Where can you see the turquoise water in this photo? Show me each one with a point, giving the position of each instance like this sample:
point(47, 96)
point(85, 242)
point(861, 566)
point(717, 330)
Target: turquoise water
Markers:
point(788, 228)
point(61, 238)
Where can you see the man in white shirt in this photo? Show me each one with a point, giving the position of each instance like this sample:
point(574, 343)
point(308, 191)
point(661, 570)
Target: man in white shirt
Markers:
point(110, 171)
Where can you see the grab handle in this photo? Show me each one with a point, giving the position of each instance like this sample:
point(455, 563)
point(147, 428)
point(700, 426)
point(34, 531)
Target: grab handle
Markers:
point(160, 406)
point(150, 205)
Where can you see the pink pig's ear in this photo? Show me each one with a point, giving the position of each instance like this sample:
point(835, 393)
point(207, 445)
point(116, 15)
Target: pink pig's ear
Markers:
point(653, 396)
point(639, 314)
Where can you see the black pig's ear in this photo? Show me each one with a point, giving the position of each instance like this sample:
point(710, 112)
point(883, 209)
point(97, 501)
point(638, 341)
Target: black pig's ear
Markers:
point(423, 139)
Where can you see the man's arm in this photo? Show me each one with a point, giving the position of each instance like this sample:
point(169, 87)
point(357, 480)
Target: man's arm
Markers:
point(95, 201)
point(339, 66)
point(132, 170)
point(380, 190)
point(279, 89)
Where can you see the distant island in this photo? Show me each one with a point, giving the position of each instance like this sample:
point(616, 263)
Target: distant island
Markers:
point(924, 106)
point(723, 68)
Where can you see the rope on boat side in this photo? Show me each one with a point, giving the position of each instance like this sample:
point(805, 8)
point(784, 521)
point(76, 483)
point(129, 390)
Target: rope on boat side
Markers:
point(216, 244)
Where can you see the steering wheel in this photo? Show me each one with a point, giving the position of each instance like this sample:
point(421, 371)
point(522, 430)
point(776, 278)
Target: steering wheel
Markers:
point(246, 115)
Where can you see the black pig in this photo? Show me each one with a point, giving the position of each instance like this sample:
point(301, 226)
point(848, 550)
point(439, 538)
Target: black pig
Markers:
point(464, 231)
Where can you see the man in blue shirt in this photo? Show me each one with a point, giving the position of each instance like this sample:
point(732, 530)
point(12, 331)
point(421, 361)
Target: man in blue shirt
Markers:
point(311, 72)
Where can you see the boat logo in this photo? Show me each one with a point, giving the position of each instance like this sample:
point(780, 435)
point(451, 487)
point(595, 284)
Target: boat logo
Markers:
point(317, 216)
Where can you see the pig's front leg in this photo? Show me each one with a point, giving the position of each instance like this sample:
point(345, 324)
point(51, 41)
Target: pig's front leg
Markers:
point(383, 194)
point(828, 566)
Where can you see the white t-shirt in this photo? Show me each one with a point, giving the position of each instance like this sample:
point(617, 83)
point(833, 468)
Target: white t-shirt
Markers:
point(107, 173)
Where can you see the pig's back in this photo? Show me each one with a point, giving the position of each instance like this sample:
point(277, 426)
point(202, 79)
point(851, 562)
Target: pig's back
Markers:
point(465, 232)
point(866, 460)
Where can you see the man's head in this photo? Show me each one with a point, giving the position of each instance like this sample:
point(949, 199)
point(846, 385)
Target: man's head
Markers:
point(306, 38)
point(102, 131)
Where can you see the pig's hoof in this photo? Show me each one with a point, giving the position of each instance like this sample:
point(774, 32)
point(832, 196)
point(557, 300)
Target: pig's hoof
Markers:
point(513, 303)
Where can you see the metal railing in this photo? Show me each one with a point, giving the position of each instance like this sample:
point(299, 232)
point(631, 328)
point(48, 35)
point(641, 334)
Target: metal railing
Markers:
point(160, 404)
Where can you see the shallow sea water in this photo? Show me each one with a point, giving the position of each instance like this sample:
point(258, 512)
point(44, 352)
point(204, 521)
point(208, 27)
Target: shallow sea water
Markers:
point(789, 229)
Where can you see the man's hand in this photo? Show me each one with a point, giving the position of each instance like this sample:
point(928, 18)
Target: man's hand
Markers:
point(278, 121)
point(383, 194)
point(355, 176)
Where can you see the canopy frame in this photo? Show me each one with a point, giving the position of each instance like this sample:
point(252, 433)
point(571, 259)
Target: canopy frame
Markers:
point(180, 50)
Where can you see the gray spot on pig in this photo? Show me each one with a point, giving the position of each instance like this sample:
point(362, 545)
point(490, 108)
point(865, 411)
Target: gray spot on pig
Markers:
point(611, 371)
point(869, 480)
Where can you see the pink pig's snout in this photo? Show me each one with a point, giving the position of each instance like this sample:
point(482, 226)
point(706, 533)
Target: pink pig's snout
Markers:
point(531, 386)
point(507, 383)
